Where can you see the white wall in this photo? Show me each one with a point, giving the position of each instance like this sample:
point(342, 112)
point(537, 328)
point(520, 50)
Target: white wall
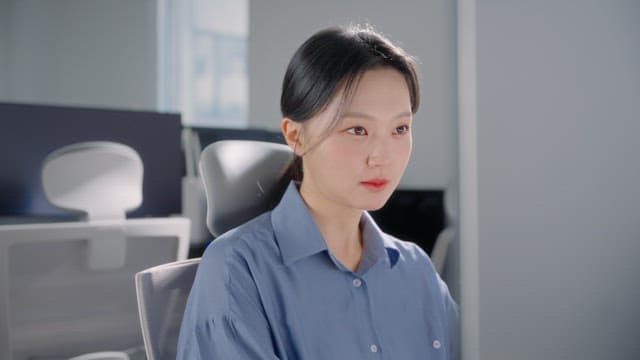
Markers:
point(558, 203)
point(425, 28)
point(81, 52)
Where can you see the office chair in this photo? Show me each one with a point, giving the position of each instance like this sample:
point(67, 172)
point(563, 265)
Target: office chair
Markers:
point(66, 288)
point(239, 180)
point(162, 296)
point(194, 140)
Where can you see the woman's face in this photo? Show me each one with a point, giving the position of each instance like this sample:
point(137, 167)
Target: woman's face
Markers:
point(360, 163)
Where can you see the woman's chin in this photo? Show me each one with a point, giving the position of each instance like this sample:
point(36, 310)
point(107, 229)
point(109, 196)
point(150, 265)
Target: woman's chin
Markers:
point(374, 205)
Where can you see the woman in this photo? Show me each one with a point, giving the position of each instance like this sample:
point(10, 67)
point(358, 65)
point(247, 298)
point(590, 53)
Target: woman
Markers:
point(315, 278)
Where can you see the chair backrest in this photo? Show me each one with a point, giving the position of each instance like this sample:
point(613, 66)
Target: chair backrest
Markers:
point(194, 140)
point(162, 295)
point(67, 288)
point(99, 178)
point(239, 177)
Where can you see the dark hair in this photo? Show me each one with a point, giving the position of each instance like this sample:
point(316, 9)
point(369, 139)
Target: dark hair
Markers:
point(333, 59)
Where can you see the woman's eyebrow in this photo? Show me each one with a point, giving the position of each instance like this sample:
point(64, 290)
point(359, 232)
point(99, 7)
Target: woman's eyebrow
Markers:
point(360, 115)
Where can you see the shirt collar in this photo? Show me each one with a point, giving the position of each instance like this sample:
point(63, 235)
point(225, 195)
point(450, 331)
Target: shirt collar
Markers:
point(377, 245)
point(298, 235)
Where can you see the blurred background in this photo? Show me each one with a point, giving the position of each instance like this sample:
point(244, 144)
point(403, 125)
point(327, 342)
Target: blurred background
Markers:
point(526, 143)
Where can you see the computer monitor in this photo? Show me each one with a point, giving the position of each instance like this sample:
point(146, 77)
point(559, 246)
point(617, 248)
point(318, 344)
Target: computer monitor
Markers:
point(28, 133)
point(413, 215)
point(208, 135)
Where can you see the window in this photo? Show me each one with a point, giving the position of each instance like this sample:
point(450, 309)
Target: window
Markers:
point(202, 48)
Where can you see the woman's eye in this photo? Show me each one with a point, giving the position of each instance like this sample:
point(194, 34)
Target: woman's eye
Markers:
point(402, 129)
point(357, 130)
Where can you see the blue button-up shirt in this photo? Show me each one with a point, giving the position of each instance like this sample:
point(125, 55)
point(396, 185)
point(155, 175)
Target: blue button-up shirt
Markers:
point(271, 289)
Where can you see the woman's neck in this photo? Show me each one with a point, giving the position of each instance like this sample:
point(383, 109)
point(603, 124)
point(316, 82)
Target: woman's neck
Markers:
point(339, 227)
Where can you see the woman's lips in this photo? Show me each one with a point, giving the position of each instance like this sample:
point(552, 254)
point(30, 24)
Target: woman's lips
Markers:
point(375, 184)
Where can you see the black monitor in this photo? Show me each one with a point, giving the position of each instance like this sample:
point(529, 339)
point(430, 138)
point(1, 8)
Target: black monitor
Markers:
point(208, 135)
point(28, 133)
point(413, 215)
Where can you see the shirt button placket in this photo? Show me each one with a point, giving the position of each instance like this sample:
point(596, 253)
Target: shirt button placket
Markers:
point(357, 283)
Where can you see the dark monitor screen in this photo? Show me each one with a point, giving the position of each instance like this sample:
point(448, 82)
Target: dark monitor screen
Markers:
point(413, 215)
point(28, 133)
point(211, 135)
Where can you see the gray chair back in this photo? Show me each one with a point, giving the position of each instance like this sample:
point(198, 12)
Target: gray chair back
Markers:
point(239, 178)
point(162, 295)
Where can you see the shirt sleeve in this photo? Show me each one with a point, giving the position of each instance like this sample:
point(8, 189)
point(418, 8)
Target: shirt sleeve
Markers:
point(224, 317)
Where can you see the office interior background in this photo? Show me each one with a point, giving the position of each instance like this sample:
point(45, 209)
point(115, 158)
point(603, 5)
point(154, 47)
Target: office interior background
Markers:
point(529, 123)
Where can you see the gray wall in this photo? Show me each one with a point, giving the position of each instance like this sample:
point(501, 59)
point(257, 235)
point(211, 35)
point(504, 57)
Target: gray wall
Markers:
point(558, 91)
point(79, 52)
point(4, 41)
point(425, 28)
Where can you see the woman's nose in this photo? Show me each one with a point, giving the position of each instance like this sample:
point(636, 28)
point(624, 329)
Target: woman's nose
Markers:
point(374, 160)
point(378, 154)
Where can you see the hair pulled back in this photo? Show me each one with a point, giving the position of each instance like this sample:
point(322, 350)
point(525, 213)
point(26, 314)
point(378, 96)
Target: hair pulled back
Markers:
point(333, 59)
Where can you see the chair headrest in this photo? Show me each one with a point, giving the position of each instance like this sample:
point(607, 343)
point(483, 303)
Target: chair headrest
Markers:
point(239, 178)
point(101, 179)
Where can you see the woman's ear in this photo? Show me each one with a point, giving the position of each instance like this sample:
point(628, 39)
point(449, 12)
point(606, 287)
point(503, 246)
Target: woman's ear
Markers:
point(292, 132)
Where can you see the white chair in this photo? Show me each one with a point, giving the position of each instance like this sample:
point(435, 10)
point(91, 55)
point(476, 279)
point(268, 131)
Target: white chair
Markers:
point(240, 178)
point(67, 288)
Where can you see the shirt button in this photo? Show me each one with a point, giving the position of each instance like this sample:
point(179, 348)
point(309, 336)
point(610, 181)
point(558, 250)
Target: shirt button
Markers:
point(374, 348)
point(436, 344)
point(357, 282)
